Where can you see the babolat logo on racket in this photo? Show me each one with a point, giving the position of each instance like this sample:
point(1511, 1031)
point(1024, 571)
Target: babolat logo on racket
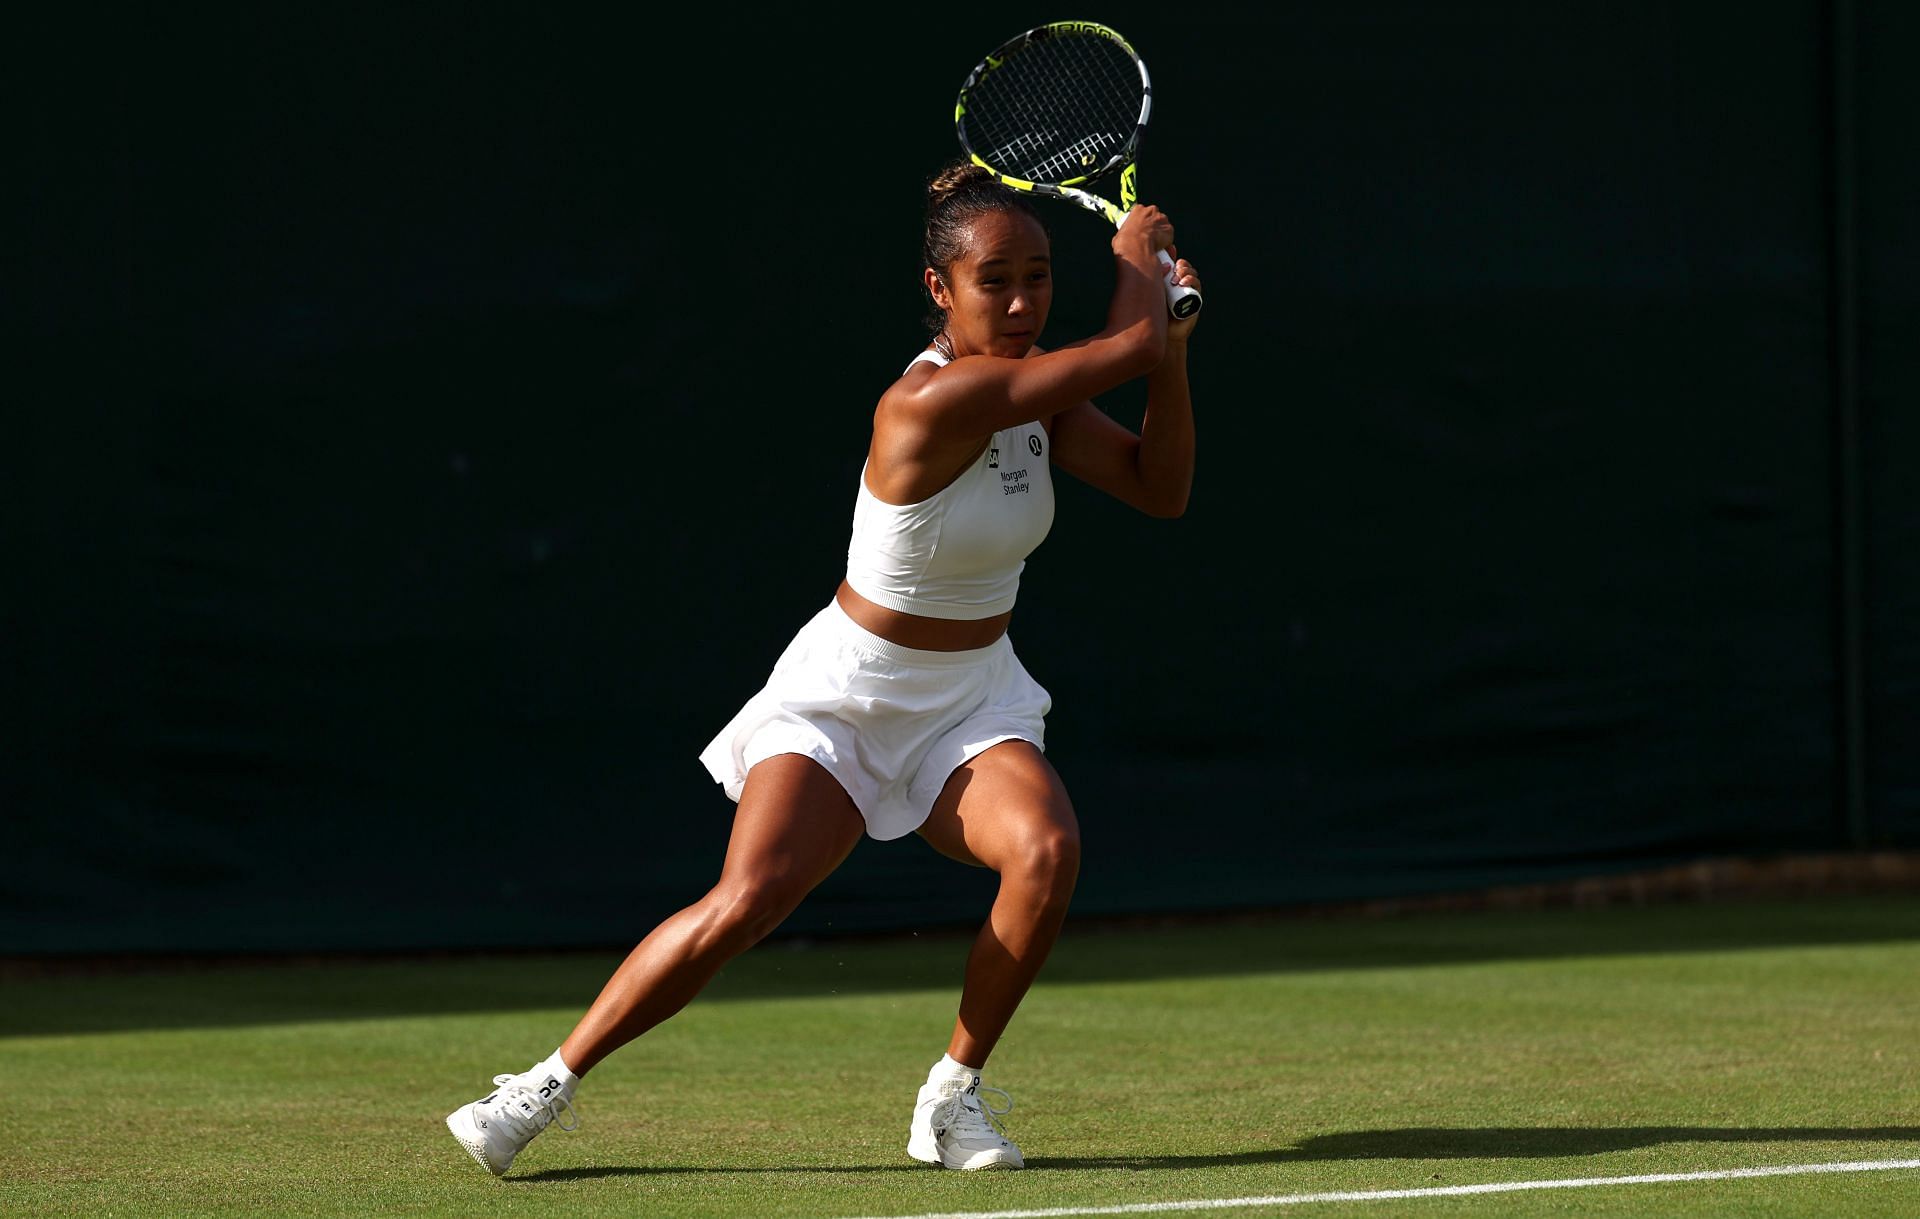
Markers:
point(1077, 27)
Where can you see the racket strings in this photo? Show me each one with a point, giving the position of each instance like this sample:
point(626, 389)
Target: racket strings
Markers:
point(1057, 109)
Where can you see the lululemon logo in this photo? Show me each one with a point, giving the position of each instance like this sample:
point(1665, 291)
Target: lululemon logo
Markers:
point(1033, 445)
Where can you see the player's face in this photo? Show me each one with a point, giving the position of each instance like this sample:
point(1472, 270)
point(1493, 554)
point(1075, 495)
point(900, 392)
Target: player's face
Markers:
point(1001, 289)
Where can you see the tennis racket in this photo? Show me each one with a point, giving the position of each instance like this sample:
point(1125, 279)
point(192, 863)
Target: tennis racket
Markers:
point(1057, 109)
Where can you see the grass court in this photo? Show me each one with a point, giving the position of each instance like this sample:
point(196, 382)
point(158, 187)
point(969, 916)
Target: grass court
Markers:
point(1238, 1067)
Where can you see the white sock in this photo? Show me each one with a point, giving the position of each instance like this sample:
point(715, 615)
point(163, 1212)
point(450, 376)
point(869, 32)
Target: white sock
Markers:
point(557, 1067)
point(947, 1068)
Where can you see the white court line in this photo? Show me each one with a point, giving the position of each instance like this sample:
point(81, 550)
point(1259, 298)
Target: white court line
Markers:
point(1438, 1191)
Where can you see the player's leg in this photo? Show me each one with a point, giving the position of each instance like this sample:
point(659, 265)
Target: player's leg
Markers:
point(1006, 810)
point(794, 825)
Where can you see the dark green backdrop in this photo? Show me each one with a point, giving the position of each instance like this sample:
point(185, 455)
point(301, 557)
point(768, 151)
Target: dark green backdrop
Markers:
point(429, 423)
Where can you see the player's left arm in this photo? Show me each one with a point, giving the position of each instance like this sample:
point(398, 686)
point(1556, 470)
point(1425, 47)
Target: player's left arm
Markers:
point(1153, 469)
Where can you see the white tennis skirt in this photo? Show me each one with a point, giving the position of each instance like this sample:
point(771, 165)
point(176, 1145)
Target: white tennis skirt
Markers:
point(890, 723)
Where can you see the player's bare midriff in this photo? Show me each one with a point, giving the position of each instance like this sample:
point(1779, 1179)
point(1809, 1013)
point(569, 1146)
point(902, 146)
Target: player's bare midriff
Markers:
point(914, 631)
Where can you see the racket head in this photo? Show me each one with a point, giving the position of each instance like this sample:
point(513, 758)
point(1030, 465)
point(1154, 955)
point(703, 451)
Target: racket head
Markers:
point(1056, 107)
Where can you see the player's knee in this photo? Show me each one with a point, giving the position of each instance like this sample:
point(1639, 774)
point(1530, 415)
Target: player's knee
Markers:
point(747, 911)
point(1050, 859)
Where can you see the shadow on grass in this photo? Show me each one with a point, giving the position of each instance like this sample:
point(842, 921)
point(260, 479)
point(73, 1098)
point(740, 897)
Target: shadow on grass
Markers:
point(1501, 1143)
point(215, 994)
point(1481, 1143)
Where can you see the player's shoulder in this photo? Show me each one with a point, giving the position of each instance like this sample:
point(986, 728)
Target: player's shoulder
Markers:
point(922, 368)
point(912, 381)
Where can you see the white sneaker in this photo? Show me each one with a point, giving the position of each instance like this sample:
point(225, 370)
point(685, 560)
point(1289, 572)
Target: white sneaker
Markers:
point(496, 1128)
point(950, 1127)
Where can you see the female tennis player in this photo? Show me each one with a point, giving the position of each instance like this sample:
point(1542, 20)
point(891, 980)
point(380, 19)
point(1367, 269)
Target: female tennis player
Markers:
point(900, 707)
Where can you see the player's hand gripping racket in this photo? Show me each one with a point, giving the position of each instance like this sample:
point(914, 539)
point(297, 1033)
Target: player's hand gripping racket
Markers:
point(1058, 108)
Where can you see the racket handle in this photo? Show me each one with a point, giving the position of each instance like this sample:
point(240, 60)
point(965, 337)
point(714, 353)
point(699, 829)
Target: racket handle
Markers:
point(1182, 301)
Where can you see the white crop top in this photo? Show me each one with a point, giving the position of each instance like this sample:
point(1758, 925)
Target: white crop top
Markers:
point(959, 552)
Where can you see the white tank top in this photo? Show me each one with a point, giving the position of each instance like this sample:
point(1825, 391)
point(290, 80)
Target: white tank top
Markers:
point(959, 552)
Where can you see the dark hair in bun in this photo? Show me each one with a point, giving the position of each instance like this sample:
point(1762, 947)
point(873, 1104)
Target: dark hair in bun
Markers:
point(958, 195)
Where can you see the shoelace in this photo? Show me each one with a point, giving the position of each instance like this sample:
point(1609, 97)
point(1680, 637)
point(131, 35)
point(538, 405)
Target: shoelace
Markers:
point(978, 1118)
point(513, 1091)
